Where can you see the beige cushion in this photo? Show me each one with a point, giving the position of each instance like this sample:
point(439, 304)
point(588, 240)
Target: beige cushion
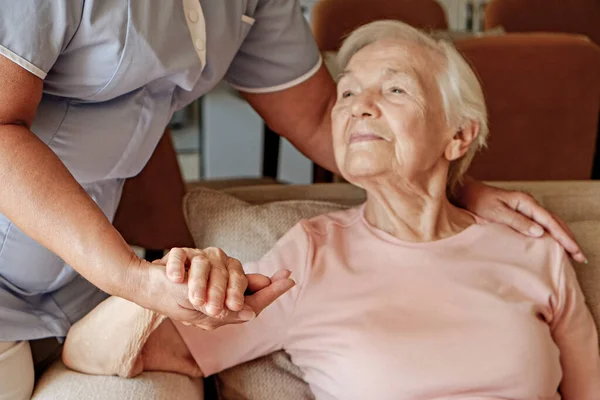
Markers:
point(246, 222)
point(588, 236)
point(60, 383)
point(271, 377)
point(242, 230)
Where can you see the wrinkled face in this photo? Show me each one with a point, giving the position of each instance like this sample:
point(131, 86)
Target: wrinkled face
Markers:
point(389, 119)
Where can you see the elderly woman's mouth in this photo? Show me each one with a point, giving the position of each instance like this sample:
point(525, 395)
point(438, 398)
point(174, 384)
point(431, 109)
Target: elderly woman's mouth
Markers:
point(364, 137)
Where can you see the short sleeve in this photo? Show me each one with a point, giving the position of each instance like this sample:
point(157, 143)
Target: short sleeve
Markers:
point(279, 51)
point(575, 334)
point(230, 345)
point(33, 33)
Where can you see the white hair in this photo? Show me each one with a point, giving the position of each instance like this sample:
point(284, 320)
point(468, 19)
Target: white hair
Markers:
point(462, 96)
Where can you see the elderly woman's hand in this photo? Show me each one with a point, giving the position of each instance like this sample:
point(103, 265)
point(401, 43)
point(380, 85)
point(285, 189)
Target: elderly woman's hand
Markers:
point(518, 210)
point(261, 292)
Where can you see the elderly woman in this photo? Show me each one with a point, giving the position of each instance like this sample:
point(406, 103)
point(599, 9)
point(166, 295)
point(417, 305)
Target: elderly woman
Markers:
point(406, 296)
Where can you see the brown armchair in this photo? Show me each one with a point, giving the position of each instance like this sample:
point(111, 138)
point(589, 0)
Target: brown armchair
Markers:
point(543, 97)
point(581, 16)
point(150, 213)
point(334, 19)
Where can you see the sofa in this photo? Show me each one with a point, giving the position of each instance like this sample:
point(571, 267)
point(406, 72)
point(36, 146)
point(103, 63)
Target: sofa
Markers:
point(246, 222)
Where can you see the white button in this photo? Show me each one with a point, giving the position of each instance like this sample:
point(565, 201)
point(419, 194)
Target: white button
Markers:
point(193, 16)
point(199, 44)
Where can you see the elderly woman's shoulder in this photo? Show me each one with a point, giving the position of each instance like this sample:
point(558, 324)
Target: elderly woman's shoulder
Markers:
point(501, 239)
point(342, 218)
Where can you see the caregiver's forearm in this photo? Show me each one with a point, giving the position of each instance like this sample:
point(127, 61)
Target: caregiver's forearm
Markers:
point(302, 114)
point(42, 198)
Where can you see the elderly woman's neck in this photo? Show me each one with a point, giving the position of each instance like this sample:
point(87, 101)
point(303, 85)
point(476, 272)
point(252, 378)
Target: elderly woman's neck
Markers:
point(414, 213)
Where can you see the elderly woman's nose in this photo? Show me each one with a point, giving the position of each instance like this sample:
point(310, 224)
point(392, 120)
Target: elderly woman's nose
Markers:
point(365, 105)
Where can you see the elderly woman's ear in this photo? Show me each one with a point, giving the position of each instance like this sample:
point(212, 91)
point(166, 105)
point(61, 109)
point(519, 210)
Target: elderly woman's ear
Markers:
point(465, 134)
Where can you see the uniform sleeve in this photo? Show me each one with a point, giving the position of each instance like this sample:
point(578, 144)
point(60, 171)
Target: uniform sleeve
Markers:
point(34, 32)
point(279, 51)
point(575, 334)
point(230, 345)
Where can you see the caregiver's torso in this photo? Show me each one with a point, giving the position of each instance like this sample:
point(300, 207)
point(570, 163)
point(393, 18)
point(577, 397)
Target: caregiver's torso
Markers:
point(123, 69)
point(114, 71)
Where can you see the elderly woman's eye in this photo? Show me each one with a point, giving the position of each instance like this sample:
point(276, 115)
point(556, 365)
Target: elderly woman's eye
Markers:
point(397, 90)
point(346, 94)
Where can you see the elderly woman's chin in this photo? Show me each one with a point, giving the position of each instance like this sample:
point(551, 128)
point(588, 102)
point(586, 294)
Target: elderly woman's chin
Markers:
point(359, 167)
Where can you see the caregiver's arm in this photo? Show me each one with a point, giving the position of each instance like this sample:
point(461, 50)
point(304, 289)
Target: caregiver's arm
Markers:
point(42, 198)
point(302, 114)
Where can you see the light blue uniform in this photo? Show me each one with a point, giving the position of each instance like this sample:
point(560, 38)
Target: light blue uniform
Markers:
point(114, 72)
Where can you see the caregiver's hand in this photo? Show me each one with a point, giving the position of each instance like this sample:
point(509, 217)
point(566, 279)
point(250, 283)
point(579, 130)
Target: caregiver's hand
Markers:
point(154, 290)
point(518, 210)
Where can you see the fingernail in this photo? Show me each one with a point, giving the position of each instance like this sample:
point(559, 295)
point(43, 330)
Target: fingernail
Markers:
point(536, 230)
point(246, 315)
point(580, 258)
point(176, 276)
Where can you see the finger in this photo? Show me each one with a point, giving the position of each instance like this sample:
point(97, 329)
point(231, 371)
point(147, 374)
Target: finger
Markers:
point(263, 298)
point(281, 274)
point(513, 212)
point(267, 294)
point(163, 260)
point(217, 286)
point(554, 225)
point(176, 265)
point(563, 225)
point(576, 254)
point(199, 273)
point(257, 302)
point(244, 315)
point(537, 214)
point(257, 282)
point(518, 222)
point(236, 285)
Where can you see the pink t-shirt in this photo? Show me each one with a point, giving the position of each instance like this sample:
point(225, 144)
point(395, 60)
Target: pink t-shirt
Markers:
point(485, 314)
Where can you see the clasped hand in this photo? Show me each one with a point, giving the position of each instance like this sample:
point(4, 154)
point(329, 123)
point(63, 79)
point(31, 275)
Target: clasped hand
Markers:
point(211, 289)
